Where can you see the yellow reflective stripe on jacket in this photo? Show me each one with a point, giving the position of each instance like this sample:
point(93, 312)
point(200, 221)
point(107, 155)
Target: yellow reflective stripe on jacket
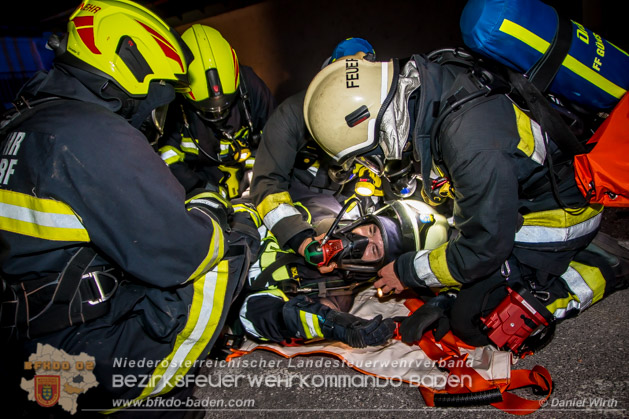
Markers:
point(252, 213)
point(306, 210)
point(40, 217)
point(188, 145)
point(432, 268)
point(270, 202)
point(572, 64)
point(310, 324)
point(274, 292)
point(314, 168)
point(280, 274)
point(558, 225)
point(216, 250)
point(269, 255)
point(594, 279)
point(531, 137)
point(586, 285)
point(171, 155)
point(205, 313)
point(276, 207)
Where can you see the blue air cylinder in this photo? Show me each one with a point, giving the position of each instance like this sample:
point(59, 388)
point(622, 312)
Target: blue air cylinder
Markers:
point(594, 74)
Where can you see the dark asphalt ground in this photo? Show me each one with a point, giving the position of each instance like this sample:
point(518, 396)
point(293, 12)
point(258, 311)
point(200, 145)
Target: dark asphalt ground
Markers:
point(587, 360)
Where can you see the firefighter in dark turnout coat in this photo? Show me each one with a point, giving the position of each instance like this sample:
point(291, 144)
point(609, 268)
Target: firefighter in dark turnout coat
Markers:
point(213, 130)
point(490, 157)
point(291, 167)
point(106, 255)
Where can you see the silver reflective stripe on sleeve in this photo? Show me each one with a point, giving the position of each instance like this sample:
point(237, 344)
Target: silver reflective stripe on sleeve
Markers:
point(422, 268)
point(188, 144)
point(166, 155)
point(313, 170)
point(254, 270)
point(310, 322)
point(279, 213)
point(39, 218)
point(539, 154)
point(541, 234)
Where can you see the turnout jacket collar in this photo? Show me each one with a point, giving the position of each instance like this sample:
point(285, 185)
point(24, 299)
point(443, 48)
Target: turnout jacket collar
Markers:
point(59, 82)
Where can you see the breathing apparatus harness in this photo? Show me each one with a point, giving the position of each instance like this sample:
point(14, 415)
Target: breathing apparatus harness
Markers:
point(527, 90)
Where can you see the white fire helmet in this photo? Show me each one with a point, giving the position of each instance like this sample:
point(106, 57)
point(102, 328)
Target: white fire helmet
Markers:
point(344, 105)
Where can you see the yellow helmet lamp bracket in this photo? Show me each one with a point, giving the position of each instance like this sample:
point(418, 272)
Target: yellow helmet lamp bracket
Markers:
point(368, 183)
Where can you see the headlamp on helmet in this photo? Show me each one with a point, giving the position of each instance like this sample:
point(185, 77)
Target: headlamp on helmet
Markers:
point(214, 73)
point(421, 226)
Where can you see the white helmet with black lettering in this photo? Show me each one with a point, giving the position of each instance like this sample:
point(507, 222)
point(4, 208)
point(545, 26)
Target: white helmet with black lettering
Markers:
point(345, 103)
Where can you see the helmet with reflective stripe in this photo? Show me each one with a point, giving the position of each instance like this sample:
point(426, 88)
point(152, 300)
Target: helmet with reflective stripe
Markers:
point(126, 43)
point(214, 73)
point(344, 103)
point(421, 226)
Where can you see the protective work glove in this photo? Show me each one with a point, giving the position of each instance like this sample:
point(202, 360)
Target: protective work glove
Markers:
point(356, 331)
point(431, 315)
point(213, 204)
point(306, 318)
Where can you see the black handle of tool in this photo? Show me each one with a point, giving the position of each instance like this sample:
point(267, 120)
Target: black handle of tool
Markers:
point(468, 399)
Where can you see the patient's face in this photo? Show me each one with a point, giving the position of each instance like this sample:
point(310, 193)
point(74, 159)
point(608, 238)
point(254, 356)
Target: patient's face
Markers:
point(375, 249)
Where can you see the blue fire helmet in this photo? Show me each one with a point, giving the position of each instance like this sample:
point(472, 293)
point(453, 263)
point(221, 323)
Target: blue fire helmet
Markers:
point(351, 46)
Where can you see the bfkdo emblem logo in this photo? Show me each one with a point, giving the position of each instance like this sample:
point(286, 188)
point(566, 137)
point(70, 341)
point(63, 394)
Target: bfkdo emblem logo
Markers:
point(47, 390)
point(59, 377)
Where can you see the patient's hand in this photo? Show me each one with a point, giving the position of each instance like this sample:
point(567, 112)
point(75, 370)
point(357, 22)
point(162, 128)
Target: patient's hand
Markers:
point(324, 269)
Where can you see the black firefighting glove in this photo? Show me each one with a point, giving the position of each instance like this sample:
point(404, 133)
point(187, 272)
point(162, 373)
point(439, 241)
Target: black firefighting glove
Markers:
point(336, 325)
point(432, 315)
point(356, 331)
point(213, 204)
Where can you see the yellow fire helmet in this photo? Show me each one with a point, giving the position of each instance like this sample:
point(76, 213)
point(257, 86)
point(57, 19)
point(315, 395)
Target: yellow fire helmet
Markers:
point(126, 43)
point(344, 104)
point(214, 73)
